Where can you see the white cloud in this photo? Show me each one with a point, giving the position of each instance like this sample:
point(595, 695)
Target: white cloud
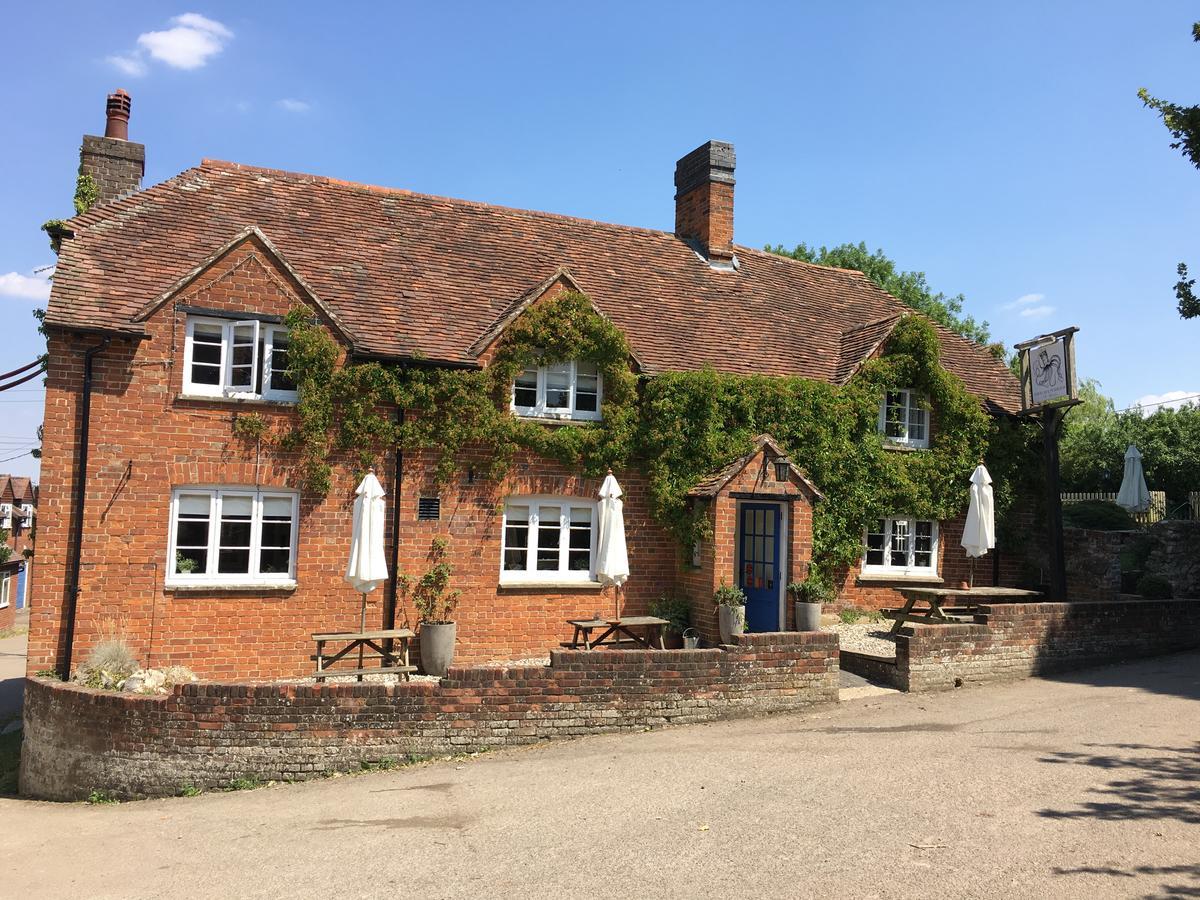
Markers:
point(189, 44)
point(1025, 300)
point(293, 106)
point(35, 286)
point(1152, 403)
point(130, 64)
point(1036, 312)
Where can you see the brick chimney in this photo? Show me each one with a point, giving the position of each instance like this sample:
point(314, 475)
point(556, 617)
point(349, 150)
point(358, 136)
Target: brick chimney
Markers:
point(116, 163)
point(704, 201)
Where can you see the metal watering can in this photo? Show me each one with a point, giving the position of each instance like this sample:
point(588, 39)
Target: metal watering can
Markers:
point(691, 639)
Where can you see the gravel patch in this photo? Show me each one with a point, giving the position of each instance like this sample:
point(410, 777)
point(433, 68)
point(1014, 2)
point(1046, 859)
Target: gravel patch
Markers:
point(866, 637)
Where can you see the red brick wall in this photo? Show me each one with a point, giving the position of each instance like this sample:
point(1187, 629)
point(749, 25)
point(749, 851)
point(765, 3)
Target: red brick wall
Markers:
point(205, 735)
point(719, 555)
point(145, 440)
point(1022, 639)
point(706, 214)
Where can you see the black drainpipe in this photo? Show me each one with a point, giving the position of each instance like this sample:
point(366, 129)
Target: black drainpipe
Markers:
point(80, 497)
point(389, 608)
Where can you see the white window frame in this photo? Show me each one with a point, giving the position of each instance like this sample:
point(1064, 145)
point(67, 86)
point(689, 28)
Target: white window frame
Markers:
point(531, 573)
point(887, 568)
point(6, 515)
point(212, 578)
point(540, 411)
point(912, 401)
point(262, 367)
point(5, 590)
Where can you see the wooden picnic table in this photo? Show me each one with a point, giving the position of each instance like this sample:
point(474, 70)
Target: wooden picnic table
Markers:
point(627, 626)
point(937, 610)
point(391, 662)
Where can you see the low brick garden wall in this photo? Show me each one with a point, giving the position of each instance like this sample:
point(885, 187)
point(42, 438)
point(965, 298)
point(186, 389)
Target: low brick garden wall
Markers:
point(205, 735)
point(1010, 641)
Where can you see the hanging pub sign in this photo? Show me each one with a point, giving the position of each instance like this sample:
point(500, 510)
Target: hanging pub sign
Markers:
point(1048, 371)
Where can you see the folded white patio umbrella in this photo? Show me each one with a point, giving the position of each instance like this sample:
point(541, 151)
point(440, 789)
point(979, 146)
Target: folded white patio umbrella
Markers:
point(1134, 495)
point(612, 559)
point(979, 533)
point(367, 568)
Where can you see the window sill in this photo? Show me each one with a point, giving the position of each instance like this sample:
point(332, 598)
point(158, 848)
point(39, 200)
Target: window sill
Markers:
point(898, 578)
point(237, 401)
point(550, 586)
point(215, 586)
point(555, 420)
point(903, 448)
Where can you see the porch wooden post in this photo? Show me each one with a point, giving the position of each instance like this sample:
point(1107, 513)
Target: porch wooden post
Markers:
point(1052, 420)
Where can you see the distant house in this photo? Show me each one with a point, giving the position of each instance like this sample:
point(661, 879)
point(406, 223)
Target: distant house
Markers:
point(166, 323)
point(18, 516)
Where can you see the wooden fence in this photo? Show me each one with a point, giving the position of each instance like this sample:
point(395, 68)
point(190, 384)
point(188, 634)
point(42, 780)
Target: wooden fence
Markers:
point(1158, 504)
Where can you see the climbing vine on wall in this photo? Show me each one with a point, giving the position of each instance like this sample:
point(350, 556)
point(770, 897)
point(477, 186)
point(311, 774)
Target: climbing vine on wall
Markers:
point(695, 422)
point(349, 407)
point(685, 425)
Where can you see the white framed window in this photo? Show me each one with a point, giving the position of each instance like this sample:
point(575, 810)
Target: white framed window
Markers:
point(5, 590)
point(232, 536)
point(901, 546)
point(242, 359)
point(903, 419)
point(548, 539)
point(567, 390)
point(6, 515)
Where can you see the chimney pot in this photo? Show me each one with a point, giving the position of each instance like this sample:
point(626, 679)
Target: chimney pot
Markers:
point(704, 201)
point(117, 112)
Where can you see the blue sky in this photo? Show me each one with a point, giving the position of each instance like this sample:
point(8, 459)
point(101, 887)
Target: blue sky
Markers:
point(1001, 149)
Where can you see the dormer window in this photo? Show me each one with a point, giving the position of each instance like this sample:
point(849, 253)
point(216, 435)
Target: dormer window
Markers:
point(904, 419)
point(567, 390)
point(241, 359)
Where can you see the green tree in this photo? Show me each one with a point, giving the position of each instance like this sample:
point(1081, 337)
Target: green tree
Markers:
point(1184, 124)
point(909, 288)
point(1095, 438)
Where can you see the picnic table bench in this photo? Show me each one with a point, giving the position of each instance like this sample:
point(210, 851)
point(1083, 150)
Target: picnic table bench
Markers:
point(627, 626)
point(937, 610)
point(391, 662)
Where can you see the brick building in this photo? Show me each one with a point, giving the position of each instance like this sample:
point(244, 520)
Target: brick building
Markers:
point(18, 516)
point(165, 323)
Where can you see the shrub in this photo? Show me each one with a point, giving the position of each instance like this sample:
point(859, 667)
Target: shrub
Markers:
point(435, 604)
point(1135, 555)
point(675, 609)
point(729, 595)
point(1154, 587)
point(813, 589)
point(1100, 515)
point(849, 616)
point(108, 665)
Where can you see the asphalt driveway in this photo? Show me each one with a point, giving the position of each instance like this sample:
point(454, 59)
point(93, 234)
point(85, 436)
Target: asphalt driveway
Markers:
point(1082, 787)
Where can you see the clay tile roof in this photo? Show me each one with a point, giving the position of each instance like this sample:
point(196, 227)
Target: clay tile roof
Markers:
point(712, 484)
point(17, 489)
point(411, 274)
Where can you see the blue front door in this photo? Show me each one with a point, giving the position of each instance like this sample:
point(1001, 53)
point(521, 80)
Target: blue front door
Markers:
point(758, 564)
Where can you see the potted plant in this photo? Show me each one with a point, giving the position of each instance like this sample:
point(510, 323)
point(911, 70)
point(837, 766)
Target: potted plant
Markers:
point(808, 596)
point(678, 613)
point(435, 606)
point(731, 610)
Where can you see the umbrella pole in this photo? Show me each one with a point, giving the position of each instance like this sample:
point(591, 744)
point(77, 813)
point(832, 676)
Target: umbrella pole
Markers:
point(362, 626)
point(971, 583)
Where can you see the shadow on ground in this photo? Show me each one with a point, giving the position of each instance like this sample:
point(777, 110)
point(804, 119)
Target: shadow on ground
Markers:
point(1183, 881)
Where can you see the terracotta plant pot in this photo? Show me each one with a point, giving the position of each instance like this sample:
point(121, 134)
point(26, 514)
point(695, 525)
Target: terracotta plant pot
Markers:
point(437, 647)
point(732, 620)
